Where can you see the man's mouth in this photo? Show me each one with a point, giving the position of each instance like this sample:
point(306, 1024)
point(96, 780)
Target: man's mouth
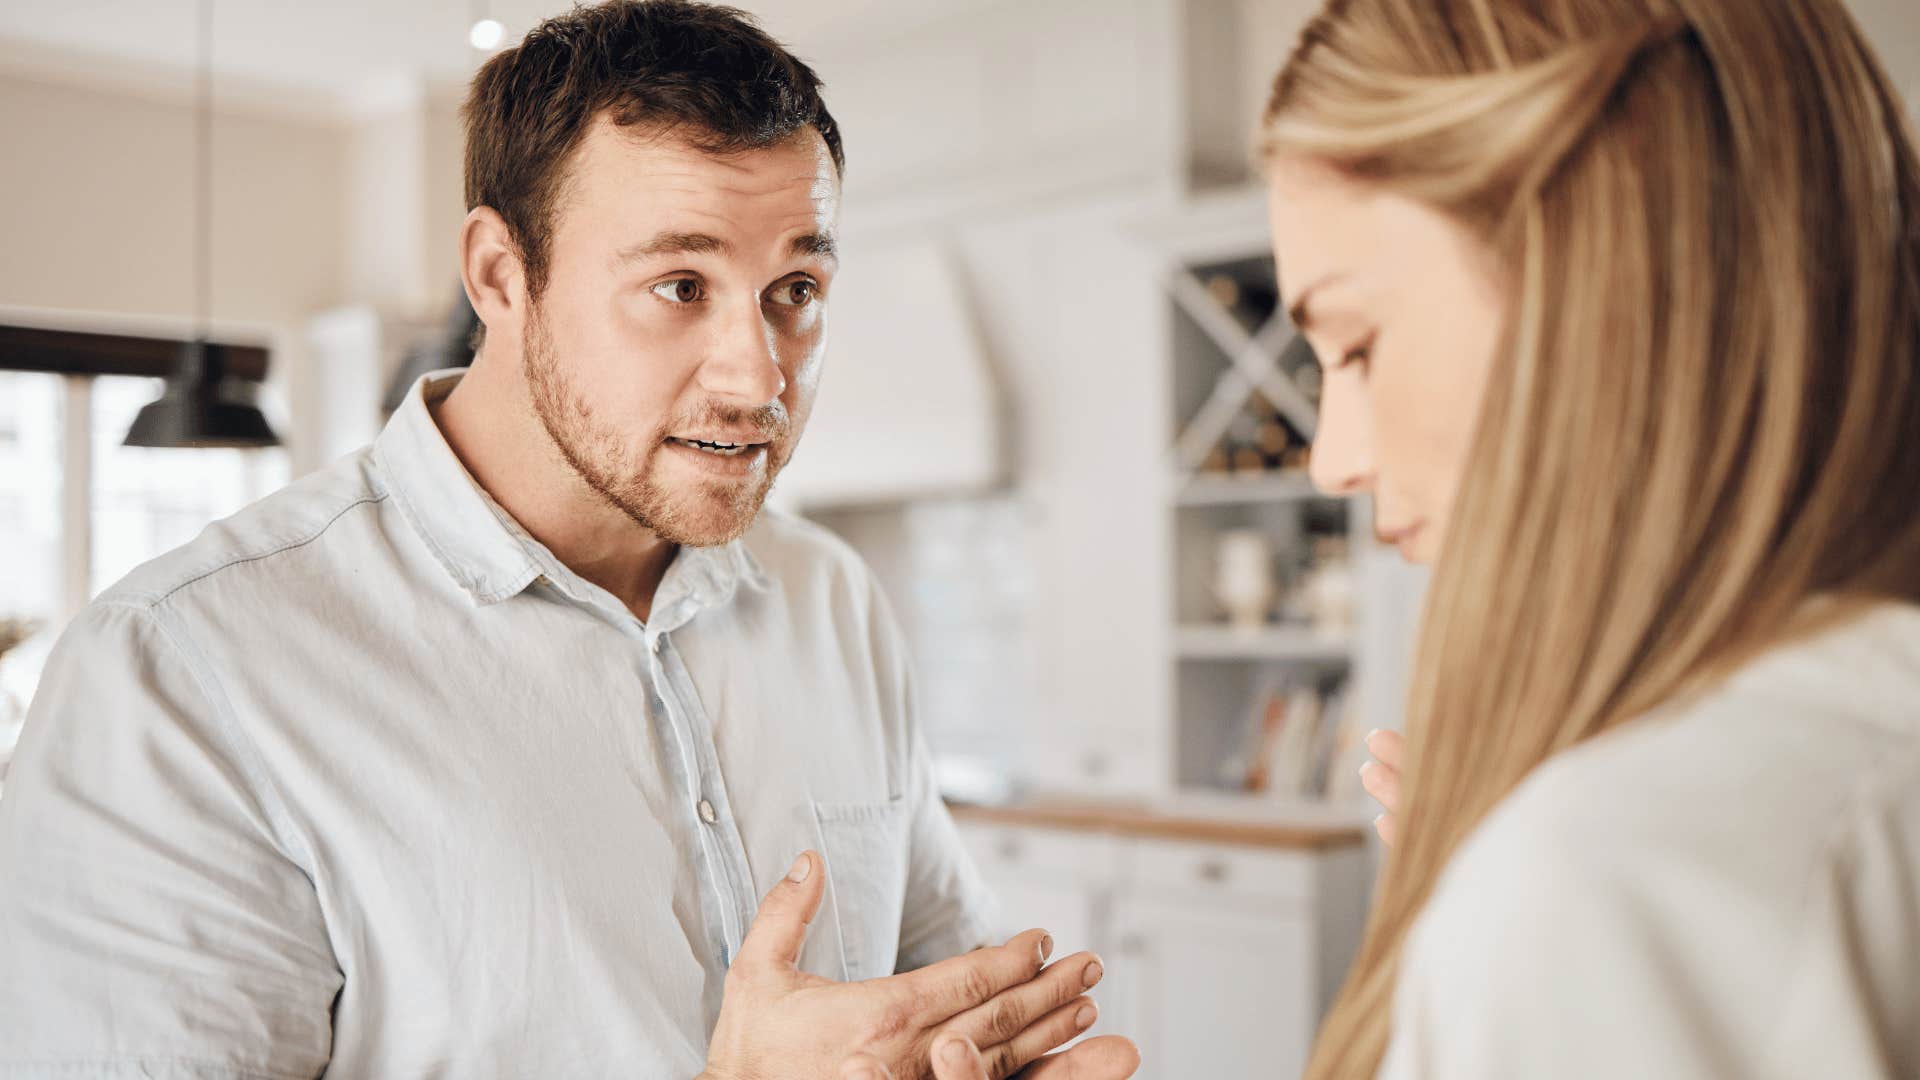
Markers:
point(718, 449)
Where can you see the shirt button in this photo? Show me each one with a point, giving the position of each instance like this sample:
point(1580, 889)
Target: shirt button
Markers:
point(706, 812)
point(654, 644)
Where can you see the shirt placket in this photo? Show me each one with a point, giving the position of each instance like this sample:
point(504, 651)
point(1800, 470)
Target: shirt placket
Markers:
point(724, 855)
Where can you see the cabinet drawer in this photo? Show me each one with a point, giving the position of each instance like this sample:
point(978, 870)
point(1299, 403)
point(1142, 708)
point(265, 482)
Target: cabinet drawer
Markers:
point(1000, 850)
point(1223, 869)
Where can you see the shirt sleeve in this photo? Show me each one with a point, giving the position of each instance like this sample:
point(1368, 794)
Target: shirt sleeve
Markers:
point(154, 919)
point(948, 909)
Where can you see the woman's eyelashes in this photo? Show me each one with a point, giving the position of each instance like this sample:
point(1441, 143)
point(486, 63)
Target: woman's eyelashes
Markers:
point(1360, 354)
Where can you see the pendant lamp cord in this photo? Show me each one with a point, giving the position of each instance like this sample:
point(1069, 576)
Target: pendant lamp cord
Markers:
point(203, 179)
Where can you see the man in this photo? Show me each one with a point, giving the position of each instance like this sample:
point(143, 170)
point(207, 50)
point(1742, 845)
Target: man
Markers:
point(471, 754)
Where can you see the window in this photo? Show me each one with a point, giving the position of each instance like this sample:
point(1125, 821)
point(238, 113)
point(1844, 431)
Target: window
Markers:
point(61, 546)
point(147, 501)
point(31, 586)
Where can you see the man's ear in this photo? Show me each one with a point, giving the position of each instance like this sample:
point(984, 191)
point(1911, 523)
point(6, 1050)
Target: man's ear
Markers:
point(491, 271)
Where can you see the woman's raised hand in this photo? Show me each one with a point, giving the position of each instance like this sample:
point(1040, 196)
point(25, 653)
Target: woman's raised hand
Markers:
point(1381, 778)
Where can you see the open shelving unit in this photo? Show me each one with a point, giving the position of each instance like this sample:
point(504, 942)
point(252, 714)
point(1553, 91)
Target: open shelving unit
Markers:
point(1238, 373)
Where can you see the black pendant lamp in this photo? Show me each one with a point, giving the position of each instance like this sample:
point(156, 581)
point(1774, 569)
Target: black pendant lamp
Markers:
point(202, 405)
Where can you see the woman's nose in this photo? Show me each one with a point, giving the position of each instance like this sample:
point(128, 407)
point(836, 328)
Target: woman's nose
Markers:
point(1342, 458)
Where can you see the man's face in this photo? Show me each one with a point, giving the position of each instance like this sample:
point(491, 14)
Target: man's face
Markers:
point(674, 354)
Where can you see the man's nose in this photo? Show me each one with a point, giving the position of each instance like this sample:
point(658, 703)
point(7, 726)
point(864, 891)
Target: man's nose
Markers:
point(1342, 458)
point(743, 363)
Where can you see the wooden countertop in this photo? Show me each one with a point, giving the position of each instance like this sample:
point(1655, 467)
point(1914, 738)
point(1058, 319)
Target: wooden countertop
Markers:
point(1140, 819)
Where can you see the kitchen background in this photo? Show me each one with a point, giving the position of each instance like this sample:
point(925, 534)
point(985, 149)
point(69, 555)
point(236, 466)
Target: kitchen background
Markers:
point(1062, 418)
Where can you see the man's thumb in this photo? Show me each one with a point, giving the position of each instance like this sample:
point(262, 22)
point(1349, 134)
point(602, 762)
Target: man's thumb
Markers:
point(780, 926)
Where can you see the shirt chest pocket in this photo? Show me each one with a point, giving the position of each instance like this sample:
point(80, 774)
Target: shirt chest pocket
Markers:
point(865, 845)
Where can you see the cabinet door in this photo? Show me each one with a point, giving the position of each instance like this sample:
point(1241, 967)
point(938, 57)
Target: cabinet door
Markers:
point(1047, 878)
point(1214, 990)
point(1057, 880)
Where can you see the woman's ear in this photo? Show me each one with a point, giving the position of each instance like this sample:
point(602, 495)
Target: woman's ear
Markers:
point(491, 271)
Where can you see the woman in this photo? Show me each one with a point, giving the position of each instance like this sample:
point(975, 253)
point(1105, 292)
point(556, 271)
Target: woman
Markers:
point(1619, 305)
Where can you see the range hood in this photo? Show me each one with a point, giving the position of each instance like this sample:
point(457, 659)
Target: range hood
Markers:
point(909, 406)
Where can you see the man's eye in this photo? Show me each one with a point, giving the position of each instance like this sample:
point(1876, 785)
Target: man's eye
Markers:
point(679, 291)
point(797, 293)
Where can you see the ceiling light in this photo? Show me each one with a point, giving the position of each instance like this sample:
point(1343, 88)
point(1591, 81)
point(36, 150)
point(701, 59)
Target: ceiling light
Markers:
point(486, 34)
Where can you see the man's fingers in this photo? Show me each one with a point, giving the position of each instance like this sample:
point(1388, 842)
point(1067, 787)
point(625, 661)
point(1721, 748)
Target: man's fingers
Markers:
point(1018, 1008)
point(953, 986)
point(956, 1058)
point(1050, 1032)
point(780, 926)
point(1108, 1057)
point(1389, 747)
point(1383, 783)
point(868, 1067)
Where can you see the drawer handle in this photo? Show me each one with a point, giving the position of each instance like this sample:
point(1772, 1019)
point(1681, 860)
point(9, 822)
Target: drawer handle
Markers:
point(1011, 849)
point(1213, 871)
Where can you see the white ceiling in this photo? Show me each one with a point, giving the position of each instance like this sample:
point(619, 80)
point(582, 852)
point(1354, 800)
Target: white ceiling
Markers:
point(337, 49)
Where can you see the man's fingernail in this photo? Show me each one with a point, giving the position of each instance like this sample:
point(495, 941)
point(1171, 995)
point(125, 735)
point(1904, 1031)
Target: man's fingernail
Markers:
point(1094, 971)
point(1084, 1018)
point(955, 1052)
point(1046, 947)
point(801, 868)
point(1364, 767)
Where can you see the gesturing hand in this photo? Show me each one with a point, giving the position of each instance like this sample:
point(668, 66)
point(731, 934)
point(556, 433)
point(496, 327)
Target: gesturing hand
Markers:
point(1109, 1057)
point(779, 1023)
point(1381, 778)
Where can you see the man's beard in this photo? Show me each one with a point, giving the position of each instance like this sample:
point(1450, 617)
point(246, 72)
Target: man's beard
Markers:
point(621, 471)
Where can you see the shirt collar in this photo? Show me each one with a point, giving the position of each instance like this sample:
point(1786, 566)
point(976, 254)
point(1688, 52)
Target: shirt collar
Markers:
point(491, 556)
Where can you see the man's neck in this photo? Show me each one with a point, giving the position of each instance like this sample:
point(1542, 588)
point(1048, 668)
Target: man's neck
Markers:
point(488, 420)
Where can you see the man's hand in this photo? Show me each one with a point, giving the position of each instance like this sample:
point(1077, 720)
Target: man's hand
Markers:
point(1109, 1057)
point(778, 1023)
point(1381, 778)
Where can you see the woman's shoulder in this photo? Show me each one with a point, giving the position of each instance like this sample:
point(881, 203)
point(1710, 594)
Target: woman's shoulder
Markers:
point(1799, 731)
point(1742, 777)
point(1699, 858)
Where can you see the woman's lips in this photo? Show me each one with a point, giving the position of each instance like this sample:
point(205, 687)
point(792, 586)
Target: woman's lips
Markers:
point(1399, 536)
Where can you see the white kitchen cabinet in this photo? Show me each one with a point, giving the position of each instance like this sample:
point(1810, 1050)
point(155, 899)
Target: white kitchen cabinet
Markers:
point(1221, 957)
point(1208, 989)
point(1049, 878)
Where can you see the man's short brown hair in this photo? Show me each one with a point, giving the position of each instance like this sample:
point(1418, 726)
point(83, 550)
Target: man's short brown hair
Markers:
point(707, 73)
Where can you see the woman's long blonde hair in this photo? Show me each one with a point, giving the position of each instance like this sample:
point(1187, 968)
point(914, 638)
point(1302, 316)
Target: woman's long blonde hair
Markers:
point(1705, 421)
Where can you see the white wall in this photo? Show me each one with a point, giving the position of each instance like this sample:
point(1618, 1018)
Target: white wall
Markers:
point(96, 205)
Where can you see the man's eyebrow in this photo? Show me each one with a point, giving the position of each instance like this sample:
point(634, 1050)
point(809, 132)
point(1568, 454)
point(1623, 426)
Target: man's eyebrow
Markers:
point(819, 245)
point(674, 243)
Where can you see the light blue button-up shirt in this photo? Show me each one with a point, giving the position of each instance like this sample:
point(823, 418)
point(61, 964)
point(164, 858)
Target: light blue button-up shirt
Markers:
point(364, 781)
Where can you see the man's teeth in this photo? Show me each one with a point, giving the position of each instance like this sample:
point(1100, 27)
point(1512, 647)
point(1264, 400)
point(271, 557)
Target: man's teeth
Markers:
point(722, 449)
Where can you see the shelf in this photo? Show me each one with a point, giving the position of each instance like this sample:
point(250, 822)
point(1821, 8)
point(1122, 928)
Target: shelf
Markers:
point(1205, 817)
point(1291, 485)
point(1276, 643)
point(1296, 811)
